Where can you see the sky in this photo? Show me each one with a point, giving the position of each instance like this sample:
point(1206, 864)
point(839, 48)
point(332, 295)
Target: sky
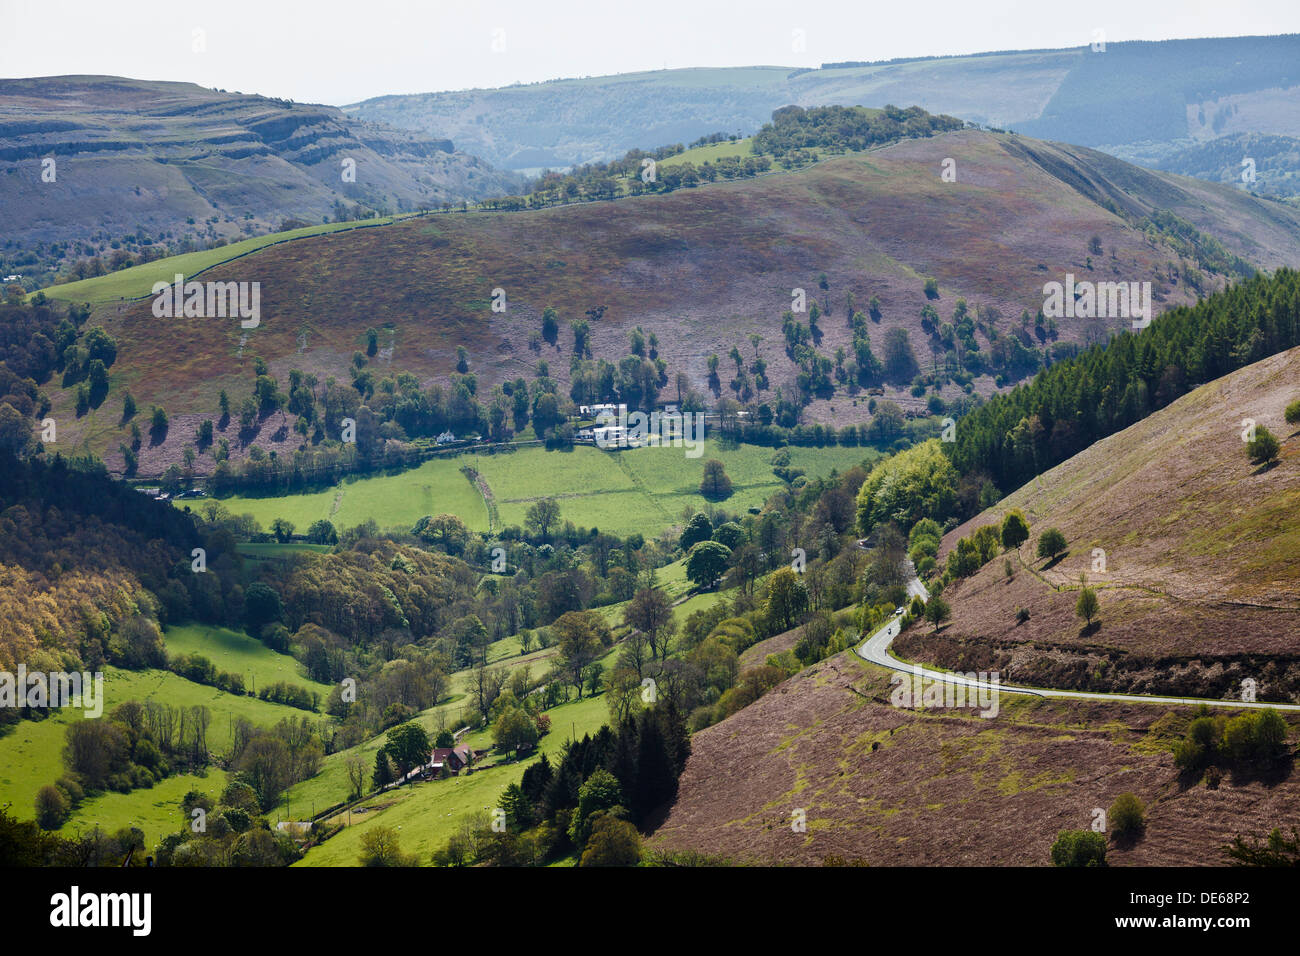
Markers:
point(343, 51)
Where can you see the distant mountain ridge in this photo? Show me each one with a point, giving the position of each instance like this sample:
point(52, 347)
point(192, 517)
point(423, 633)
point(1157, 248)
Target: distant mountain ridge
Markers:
point(1130, 92)
point(140, 159)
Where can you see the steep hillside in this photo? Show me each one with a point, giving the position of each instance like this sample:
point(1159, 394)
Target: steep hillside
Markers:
point(154, 162)
point(1134, 92)
point(706, 268)
point(889, 786)
point(1200, 549)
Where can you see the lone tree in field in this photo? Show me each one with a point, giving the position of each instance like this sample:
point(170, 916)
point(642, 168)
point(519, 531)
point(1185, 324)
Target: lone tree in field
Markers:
point(1126, 816)
point(380, 847)
point(707, 562)
point(937, 611)
point(408, 746)
point(550, 327)
point(1051, 543)
point(158, 422)
point(1293, 413)
point(542, 516)
point(715, 485)
point(651, 612)
point(1015, 529)
point(1264, 449)
point(1087, 607)
point(899, 359)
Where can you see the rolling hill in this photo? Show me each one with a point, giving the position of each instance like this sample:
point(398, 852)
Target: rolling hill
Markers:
point(1197, 594)
point(1156, 94)
point(1199, 585)
point(703, 269)
point(138, 163)
point(889, 786)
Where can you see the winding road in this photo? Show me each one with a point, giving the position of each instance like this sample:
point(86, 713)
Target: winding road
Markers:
point(876, 650)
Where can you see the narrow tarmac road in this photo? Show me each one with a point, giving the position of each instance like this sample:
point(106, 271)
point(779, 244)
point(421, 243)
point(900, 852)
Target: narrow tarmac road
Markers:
point(876, 650)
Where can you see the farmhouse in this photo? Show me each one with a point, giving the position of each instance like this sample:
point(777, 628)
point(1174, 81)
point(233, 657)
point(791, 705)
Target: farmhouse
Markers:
point(454, 759)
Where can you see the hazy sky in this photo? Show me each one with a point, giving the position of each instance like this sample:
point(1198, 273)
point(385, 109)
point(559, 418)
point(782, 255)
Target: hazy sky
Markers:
point(340, 51)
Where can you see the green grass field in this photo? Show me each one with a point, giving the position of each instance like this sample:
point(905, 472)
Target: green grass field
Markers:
point(31, 753)
point(435, 487)
point(330, 786)
point(617, 491)
point(427, 814)
point(156, 811)
point(711, 153)
point(238, 653)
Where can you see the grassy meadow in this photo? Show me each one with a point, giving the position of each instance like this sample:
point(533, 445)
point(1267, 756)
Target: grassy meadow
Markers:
point(238, 653)
point(31, 752)
point(426, 814)
point(617, 491)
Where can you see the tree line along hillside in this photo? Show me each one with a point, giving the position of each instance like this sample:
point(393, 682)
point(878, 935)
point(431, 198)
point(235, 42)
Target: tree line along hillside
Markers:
point(794, 137)
point(88, 566)
point(1074, 403)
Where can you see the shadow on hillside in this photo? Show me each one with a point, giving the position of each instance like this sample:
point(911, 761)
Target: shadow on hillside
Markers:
point(1127, 841)
point(1266, 467)
point(1090, 629)
point(1053, 562)
point(1239, 775)
point(1273, 776)
point(658, 817)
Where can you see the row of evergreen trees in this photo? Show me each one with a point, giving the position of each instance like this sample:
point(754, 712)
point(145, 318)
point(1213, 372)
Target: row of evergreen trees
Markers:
point(1077, 402)
point(601, 791)
point(645, 755)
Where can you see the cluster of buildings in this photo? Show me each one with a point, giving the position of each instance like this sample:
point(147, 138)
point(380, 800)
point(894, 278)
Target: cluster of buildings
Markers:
point(615, 428)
